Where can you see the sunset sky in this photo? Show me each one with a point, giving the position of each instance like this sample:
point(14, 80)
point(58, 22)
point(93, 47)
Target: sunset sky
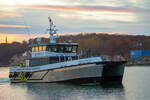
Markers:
point(18, 18)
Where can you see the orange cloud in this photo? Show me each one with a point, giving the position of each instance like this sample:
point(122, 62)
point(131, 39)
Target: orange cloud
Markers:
point(14, 26)
point(12, 37)
point(9, 14)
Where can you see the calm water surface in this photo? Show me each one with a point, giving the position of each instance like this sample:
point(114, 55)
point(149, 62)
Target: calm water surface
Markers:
point(136, 86)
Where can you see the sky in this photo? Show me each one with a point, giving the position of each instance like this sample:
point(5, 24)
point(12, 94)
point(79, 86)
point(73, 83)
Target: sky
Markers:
point(24, 19)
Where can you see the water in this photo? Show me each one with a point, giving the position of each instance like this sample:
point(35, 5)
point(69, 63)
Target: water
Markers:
point(136, 86)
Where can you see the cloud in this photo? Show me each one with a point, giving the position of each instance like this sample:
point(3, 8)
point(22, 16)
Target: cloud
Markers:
point(11, 37)
point(8, 14)
point(131, 16)
point(90, 12)
point(88, 8)
point(14, 26)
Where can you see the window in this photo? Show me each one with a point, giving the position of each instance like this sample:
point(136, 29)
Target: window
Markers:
point(61, 49)
point(36, 49)
point(53, 60)
point(68, 48)
point(74, 49)
point(52, 48)
point(33, 49)
point(40, 48)
point(49, 49)
point(44, 48)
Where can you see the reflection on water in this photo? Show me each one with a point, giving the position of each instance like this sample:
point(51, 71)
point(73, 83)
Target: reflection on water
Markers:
point(54, 91)
point(135, 87)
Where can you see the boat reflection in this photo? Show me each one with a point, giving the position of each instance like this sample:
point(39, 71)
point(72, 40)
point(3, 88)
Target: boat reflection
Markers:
point(61, 91)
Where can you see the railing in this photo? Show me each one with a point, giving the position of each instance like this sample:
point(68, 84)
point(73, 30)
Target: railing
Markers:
point(51, 54)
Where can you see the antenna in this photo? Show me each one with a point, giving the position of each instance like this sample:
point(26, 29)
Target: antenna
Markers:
point(52, 31)
point(38, 40)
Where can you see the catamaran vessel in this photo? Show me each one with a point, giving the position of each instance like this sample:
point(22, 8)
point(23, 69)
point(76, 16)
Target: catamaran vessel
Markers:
point(59, 62)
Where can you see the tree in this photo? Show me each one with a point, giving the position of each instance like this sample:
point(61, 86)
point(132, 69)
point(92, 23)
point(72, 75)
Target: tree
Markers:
point(16, 60)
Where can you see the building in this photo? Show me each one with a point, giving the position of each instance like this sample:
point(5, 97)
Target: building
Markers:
point(138, 55)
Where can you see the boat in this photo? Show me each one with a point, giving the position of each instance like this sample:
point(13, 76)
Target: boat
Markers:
point(59, 62)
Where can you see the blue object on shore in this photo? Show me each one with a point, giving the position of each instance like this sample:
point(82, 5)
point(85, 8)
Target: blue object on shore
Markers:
point(136, 55)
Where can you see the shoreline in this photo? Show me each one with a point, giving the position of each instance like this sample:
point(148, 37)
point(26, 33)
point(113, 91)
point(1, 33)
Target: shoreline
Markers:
point(138, 64)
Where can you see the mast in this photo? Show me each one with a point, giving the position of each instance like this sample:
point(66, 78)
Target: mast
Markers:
point(52, 31)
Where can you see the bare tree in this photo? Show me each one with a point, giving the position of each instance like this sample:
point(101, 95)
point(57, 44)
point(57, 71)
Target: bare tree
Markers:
point(16, 60)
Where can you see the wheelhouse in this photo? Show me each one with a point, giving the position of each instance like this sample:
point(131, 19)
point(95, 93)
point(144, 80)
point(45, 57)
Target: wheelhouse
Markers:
point(43, 54)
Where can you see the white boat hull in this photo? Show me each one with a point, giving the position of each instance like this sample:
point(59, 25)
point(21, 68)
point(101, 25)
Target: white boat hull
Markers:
point(77, 71)
point(88, 71)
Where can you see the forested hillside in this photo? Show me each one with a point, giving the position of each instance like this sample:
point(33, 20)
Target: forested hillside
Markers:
point(93, 44)
point(7, 51)
point(106, 44)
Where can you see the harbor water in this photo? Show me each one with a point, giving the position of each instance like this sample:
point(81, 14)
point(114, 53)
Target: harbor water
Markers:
point(135, 86)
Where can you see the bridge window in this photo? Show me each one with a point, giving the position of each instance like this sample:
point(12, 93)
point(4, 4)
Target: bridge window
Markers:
point(74, 49)
point(49, 49)
point(61, 49)
point(52, 48)
point(36, 49)
point(40, 48)
point(33, 49)
point(68, 48)
point(44, 48)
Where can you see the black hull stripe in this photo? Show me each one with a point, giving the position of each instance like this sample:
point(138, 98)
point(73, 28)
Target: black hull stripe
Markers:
point(116, 79)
